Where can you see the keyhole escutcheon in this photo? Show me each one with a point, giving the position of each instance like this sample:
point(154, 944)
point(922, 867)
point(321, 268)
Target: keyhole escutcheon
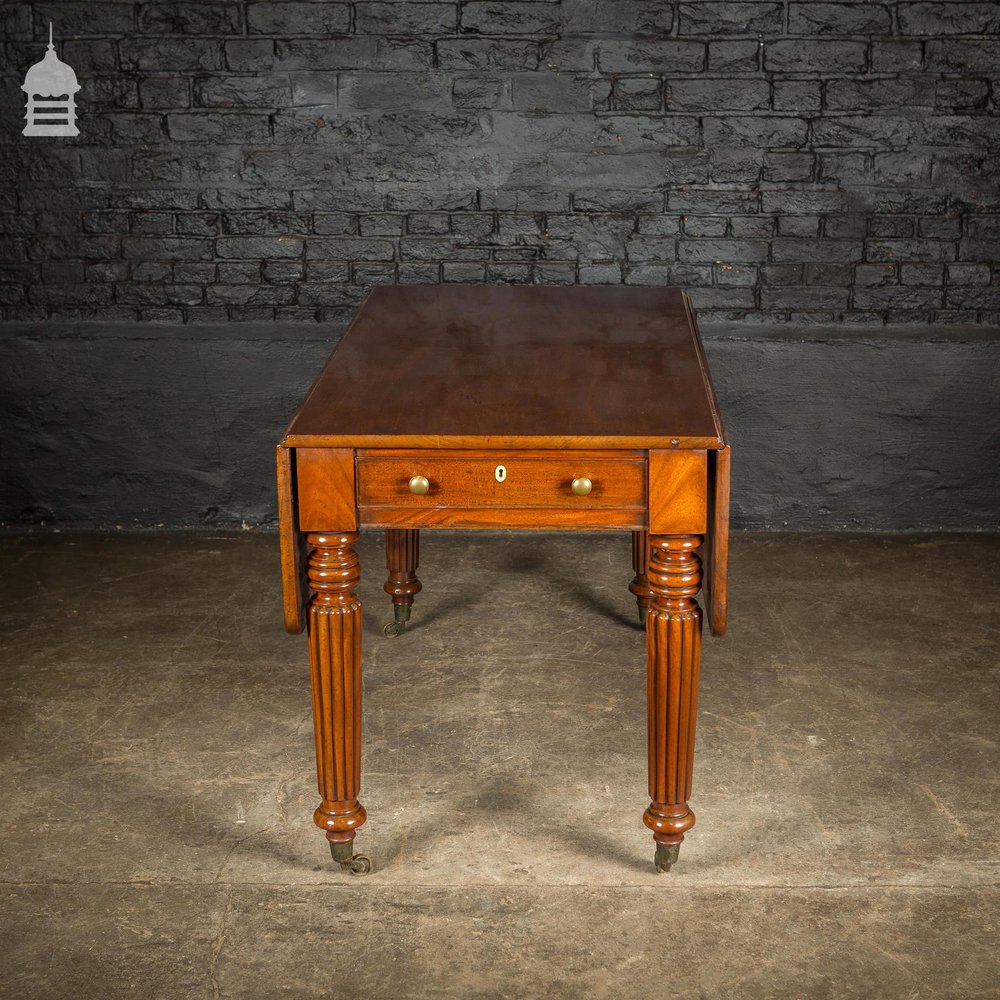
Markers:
point(500, 473)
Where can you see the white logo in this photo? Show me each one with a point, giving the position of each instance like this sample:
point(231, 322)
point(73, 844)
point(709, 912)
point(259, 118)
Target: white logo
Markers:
point(50, 86)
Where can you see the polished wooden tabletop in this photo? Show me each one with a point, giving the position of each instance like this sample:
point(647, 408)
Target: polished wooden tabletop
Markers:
point(450, 365)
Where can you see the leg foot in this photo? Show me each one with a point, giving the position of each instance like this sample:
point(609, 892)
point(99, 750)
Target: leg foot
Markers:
point(673, 647)
point(401, 615)
point(666, 856)
point(402, 554)
point(640, 582)
point(335, 661)
point(343, 853)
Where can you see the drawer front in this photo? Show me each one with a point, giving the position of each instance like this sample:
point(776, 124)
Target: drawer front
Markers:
point(501, 480)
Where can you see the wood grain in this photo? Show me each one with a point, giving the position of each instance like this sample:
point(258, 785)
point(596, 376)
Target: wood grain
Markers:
point(326, 488)
point(335, 666)
point(470, 480)
point(554, 385)
point(402, 556)
point(550, 442)
point(291, 545)
point(521, 518)
point(678, 492)
point(513, 362)
point(673, 656)
point(640, 561)
point(717, 590)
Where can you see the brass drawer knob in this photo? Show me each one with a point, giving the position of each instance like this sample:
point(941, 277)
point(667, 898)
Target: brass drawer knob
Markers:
point(421, 485)
point(581, 486)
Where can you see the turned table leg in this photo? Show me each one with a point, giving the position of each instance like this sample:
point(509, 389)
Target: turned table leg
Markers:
point(334, 624)
point(640, 584)
point(402, 553)
point(673, 653)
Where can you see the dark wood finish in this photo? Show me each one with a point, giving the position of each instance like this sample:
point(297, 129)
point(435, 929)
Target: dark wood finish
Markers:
point(402, 556)
point(673, 656)
point(335, 662)
point(442, 366)
point(554, 384)
point(640, 584)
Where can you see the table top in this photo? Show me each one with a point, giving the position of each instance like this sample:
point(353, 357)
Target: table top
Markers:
point(523, 366)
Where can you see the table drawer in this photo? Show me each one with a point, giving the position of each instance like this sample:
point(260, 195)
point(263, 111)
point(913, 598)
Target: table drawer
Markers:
point(496, 479)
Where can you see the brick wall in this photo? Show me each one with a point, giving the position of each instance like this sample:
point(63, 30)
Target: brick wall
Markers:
point(789, 162)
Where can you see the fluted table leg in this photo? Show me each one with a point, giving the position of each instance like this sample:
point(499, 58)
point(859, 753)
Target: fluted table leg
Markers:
point(402, 554)
point(335, 660)
point(673, 654)
point(640, 584)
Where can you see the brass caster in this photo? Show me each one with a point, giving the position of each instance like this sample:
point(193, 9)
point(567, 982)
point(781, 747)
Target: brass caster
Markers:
point(343, 854)
point(401, 615)
point(360, 864)
point(666, 856)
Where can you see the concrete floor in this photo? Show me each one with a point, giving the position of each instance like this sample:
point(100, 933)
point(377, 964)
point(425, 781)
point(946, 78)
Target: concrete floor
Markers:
point(156, 775)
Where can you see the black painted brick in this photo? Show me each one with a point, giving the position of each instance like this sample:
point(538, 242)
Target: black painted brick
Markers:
point(896, 56)
point(963, 18)
point(651, 56)
point(406, 18)
point(647, 16)
point(242, 91)
point(165, 92)
point(717, 95)
point(169, 55)
point(637, 94)
point(291, 18)
point(708, 18)
point(273, 159)
point(813, 56)
point(962, 55)
point(734, 56)
point(84, 19)
point(839, 19)
point(476, 92)
point(509, 17)
point(189, 18)
point(488, 54)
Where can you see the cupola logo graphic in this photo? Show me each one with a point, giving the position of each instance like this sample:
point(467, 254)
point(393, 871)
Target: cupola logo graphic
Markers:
point(50, 86)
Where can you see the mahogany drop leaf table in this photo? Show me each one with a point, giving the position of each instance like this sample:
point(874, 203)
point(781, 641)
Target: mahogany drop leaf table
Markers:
point(471, 406)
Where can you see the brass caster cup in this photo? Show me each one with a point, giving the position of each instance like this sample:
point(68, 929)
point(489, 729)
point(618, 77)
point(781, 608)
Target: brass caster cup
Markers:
point(343, 854)
point(401, 615)
point(666, 856)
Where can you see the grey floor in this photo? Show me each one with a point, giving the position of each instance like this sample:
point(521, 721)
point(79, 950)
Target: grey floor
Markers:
point(157, 782)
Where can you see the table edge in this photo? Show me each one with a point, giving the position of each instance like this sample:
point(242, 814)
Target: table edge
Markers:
point(493, 441)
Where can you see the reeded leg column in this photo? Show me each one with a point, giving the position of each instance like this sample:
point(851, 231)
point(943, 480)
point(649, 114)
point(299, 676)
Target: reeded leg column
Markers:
point(673, 655)
point(640, 584)
point(402, 553)
point(335, 661)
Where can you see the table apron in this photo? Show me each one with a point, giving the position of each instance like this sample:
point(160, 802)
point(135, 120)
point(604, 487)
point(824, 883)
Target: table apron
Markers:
point(521, 518)
point(663, 491)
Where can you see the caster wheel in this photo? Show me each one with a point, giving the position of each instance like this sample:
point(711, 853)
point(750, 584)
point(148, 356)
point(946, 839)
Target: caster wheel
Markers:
point(358, 865)
point(343, 854)
point(666, 857)
point(393, 629)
